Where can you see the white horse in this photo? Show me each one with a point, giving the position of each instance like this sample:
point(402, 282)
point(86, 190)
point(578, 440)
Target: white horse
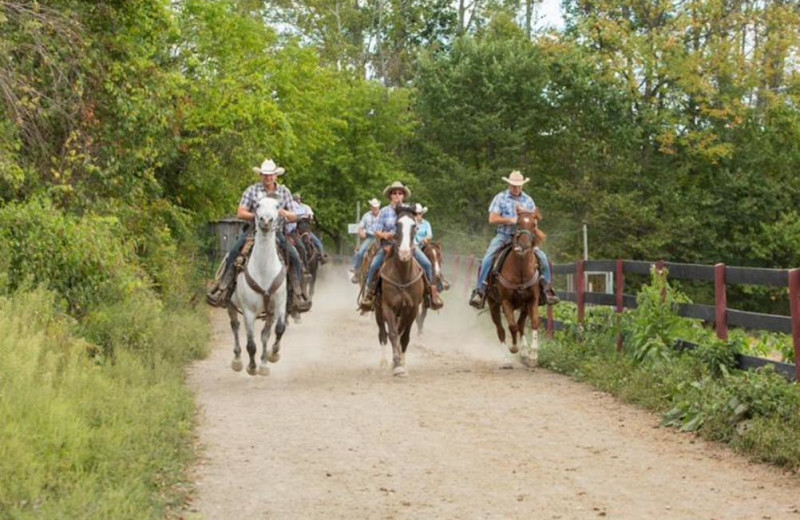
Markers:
point(260, 292)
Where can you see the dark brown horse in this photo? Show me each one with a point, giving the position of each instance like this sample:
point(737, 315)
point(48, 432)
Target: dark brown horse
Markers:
point(515, 285)
point(433, 250)
point(398, 300)
point(312, 255)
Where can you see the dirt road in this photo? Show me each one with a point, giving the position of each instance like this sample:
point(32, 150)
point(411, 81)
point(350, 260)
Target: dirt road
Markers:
point(329, 435)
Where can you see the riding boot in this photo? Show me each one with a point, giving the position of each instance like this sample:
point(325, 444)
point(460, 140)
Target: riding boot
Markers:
point(550, 295)
point(477, 299)
point(436, 301)
point(299, 302)
point(367, 301)
point(219, 293)
point(445, 283)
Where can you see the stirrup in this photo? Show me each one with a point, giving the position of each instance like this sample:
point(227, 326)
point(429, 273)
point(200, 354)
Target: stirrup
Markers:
point(367, 302)
point(477, 299)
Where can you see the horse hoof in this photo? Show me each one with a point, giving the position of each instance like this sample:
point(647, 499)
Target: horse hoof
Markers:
point(400, 371)
point(506, 366)
point(263, 370)
point(251, 369)
point(236, 365)
point(274, 358)
point(513, 349)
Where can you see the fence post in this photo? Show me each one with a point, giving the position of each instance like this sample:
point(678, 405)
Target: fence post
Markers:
point(620, 300)
point(581, 279)
point(794, 303)
point(659, 270)
point(721, 303)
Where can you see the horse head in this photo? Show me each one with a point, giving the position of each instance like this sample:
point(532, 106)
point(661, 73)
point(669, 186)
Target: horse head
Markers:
point(404, 237)
point(527, 234)
point(304, 225)
point(266, 214)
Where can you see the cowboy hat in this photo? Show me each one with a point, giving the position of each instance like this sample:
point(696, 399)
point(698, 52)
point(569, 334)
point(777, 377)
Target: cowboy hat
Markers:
point(396, 185)
point(375, 203)
point(268, 167)
point(516, 179)
point(419, 209)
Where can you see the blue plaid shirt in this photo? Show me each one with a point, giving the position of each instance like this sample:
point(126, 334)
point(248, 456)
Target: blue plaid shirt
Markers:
point(386, 220)
point(368, 223)
point(505, 205)
point(253, 193)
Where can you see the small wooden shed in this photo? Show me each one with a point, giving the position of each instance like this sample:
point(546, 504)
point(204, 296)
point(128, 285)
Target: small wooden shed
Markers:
point(223, 233)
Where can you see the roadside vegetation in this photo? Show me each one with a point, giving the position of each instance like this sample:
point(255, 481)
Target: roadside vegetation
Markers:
point(698, 391)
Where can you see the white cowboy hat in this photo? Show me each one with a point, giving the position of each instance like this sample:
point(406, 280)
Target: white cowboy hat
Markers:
point(375, 203)
point(419, 209)
point(516, 179)
point(268, 167)
point(396, 185)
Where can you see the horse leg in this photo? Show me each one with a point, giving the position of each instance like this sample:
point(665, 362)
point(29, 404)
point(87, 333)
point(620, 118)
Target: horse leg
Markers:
point(280, 328)
point(249, 325)
point(421, 319)
point(523, 315)
point(266, 352)
point(391, 324)
point(508, 311)
point(236, 364)
point(494, 310)
point(382, 338)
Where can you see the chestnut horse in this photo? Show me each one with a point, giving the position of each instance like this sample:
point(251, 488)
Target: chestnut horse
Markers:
point(311, 257)
point(515, 285)
point(398, 300)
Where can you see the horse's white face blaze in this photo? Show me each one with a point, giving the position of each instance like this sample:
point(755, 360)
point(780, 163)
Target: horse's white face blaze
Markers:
point(266, 213)
point(526, 226)
point(405, 231)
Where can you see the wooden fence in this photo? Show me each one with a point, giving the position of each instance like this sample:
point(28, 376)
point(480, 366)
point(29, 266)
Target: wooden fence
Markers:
point(464, 273)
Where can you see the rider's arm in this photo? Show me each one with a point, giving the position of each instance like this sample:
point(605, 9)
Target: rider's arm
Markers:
point(289, 216)
point(245, 214)
point(496, 219)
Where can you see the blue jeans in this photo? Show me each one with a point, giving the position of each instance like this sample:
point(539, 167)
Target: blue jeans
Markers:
point(362, 250)
point(317, 243)
point(377, 262)
point(496, 245)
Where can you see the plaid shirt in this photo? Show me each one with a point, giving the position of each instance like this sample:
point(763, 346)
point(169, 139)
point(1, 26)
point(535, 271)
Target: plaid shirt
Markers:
point(253, 193)
point(386, 220)
point(505, 205)
point(368, 223)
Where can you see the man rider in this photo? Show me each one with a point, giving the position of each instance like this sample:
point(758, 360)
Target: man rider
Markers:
point(503, 214)
point(384, 230)
point(366, 230)
point(268, 186)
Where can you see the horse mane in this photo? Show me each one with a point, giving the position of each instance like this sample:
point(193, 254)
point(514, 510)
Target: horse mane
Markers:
point(404, 209)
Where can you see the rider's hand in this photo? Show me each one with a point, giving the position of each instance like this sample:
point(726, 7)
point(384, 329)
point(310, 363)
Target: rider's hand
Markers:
point(513, 220)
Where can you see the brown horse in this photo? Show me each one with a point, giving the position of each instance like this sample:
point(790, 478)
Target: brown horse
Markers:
point(311, 257)
point(434, 253)
point(398, 300)
point(515, 285)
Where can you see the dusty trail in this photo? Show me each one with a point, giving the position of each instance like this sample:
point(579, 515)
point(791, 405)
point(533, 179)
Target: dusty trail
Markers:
point(329, 435)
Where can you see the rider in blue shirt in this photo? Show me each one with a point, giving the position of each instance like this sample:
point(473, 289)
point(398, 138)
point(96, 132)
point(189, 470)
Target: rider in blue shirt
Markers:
point(503, 214)
point(385, 227)
point(366, 230)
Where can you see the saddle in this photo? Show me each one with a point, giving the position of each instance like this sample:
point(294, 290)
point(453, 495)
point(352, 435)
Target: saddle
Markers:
point(497, 266)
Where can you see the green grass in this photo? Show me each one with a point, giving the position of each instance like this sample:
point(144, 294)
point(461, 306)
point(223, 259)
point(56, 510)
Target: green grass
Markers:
point(85, 435)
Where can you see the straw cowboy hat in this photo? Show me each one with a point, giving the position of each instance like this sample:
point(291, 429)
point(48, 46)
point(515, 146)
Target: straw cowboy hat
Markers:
point(419, 209)
point(516, 179)
point(375, 203)
point(268, 167)
point(396, 185)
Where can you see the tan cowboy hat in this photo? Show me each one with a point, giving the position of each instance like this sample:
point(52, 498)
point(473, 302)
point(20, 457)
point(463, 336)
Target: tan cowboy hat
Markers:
point(268, 167)
point(375, 203)
point(516, 179)
point(419, 209)
point(396, 185)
